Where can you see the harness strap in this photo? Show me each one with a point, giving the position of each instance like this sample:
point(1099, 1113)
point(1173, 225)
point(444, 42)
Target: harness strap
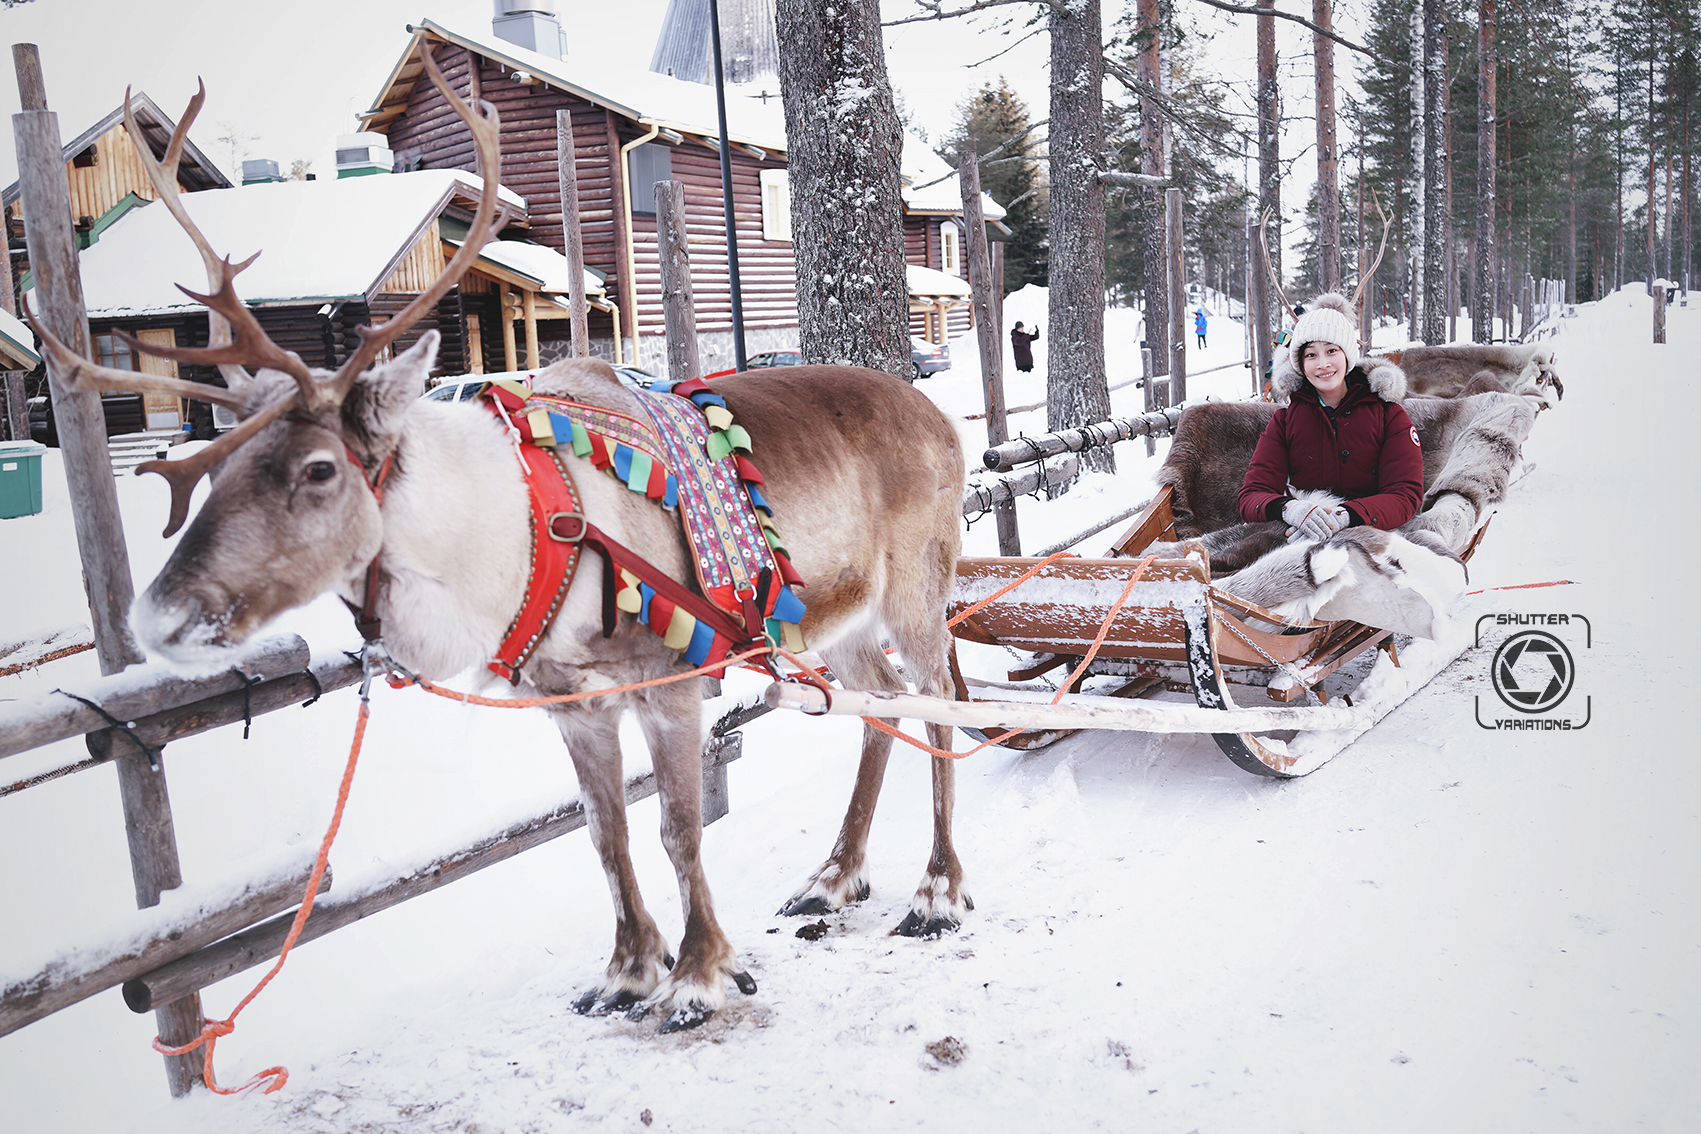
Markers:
point(554, 499)
point(366, 618)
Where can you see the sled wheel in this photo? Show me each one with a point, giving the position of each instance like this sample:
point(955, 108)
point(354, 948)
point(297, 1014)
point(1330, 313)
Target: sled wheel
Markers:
point(1243, 748)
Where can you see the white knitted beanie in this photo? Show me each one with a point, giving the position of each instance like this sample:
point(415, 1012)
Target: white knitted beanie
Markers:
point(1329, 319)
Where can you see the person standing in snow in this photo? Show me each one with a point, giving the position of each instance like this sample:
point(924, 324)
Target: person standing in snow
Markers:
point(1341, 451)
point(1021, 345)
point(1199, 325)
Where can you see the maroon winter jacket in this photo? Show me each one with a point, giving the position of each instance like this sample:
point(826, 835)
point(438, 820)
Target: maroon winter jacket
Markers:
point(1369, 454)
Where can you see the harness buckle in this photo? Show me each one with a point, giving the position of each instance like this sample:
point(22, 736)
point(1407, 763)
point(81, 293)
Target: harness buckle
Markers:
point(567, 527)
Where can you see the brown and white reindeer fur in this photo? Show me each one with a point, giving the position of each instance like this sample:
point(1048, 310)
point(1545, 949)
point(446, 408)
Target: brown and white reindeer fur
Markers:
point(865, 477)
point(1463, 369)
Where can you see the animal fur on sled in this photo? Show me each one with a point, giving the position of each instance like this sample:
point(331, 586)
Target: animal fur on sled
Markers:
point(1401, 580)
point(1461, 371)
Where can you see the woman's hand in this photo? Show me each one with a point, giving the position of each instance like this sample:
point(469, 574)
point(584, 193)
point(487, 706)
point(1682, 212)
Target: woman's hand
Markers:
point(1313, 521)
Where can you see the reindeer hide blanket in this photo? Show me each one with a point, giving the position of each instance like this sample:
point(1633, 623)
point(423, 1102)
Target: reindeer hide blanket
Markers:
point(1405, 580)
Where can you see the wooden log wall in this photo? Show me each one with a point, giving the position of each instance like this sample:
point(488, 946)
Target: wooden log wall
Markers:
point(427, 132)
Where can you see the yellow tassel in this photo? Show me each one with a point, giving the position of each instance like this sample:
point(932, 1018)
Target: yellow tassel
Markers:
point(679, 631)
point(717, 416)
point(791, 637)
point(628, 597)
point(542, 432)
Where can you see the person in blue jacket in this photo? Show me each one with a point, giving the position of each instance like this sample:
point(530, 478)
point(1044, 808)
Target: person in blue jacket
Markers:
point(1199, 325)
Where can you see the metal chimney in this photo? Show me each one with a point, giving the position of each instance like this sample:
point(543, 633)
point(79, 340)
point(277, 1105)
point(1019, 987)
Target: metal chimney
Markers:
point(530, 24)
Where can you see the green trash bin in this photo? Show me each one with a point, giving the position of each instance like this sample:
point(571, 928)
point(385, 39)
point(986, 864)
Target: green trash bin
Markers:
point(20, 478)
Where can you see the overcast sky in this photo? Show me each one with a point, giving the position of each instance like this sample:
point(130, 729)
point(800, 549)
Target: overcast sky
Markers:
point(289, 77)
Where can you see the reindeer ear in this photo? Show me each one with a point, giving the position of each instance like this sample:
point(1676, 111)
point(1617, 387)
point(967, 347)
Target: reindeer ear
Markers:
point(380, 399)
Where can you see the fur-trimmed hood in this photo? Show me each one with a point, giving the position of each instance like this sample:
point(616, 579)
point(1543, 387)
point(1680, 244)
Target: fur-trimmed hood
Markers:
point(1387, 381)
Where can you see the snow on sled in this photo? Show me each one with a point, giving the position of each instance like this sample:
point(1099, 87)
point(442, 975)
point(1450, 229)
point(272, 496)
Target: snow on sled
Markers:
point(1203, 606)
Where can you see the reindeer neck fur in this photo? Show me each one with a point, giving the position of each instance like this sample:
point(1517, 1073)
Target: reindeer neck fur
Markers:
point(455, 540)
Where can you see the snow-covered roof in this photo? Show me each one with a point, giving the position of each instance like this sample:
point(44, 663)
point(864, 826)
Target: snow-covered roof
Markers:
point(16, 341)
point(326, 240)
point(643, 96)
point(539, 263)
point(920, 166)
point(932, 283)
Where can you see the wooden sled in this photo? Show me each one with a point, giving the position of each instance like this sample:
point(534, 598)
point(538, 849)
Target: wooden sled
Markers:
point(1175, 633)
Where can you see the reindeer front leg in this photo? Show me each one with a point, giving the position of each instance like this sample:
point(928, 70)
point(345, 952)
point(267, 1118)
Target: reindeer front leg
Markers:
point(671, 717)
point(641, 957)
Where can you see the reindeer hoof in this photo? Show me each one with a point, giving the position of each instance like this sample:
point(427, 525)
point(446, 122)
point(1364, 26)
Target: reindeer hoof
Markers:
point(805, 905)
point(744, 983)
point(916, 924)
point(588, 1005)
point(810, 902)
point(689, 1016)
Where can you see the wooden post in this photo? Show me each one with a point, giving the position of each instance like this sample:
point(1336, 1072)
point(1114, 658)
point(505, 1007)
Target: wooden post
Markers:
point(1328, 176)
point(988, 333)
point(528, 308)
point(100, 529)
point(567, 171)
point(505, 302)
point(1659, 312)
point(679, 309)
point(17, 421)
point(1176, 252)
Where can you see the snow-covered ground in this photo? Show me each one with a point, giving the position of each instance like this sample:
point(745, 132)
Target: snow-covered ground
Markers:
point(1447, 928)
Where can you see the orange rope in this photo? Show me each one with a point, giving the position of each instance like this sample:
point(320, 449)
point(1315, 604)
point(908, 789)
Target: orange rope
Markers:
point(211, 1030)
point(564, 698)
point(1526, 586)
point(1002, 591)
point(1092, 651)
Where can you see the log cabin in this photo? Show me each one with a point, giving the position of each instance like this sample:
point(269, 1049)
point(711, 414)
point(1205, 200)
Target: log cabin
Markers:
point(632, 128)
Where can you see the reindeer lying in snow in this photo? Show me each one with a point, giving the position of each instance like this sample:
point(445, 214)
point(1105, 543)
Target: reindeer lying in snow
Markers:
point(864, 474)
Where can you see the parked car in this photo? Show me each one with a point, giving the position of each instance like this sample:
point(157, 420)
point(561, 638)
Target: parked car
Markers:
point(928, 358)
point(760, 361)
point(465, 387)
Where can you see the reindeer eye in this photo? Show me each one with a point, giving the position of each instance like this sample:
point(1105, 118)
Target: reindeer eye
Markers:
point(321, 471)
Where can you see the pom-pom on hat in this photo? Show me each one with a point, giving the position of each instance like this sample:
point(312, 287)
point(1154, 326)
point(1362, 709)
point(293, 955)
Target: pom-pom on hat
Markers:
point(1329, 319)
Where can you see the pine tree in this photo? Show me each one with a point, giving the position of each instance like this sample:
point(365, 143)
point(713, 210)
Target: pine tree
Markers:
point(987, 121)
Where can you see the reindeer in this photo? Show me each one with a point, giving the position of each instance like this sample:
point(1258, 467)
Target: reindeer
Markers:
point(864, 474)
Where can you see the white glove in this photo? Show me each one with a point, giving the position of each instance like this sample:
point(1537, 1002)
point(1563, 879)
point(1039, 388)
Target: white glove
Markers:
point(1313, 521)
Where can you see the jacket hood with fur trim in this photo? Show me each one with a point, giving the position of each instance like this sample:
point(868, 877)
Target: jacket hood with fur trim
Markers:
point(1387, 381)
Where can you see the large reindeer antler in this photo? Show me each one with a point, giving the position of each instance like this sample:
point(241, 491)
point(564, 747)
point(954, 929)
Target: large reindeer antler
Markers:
point(1370, 273)
point(237, 339)
point(1264, 250)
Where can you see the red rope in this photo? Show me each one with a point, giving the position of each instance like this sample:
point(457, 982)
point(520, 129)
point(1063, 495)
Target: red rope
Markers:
point(1525, 586)
point(1080, 670)
point(212, 1030)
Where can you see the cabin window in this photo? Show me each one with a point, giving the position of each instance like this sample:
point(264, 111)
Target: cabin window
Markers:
point(114, 352)
point(776, 205)
point(650, 163)
point(950, 250)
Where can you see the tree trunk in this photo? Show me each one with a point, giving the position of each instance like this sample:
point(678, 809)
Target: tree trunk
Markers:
point(1328, 174)
point(847, 218)
point(1150, 70)
point(1420, 183)
point(1435, 171)
point(1270, 152)
point(1077, 392)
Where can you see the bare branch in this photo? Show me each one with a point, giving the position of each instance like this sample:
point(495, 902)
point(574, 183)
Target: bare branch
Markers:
point(1134, 180)
point(1347, 43)
point(935, 10)
point(982, 159)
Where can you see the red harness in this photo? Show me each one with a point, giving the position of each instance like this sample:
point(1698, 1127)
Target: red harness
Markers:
point(558, 531)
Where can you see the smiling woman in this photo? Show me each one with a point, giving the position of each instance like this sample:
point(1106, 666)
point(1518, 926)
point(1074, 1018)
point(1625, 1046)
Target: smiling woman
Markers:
point(1342, 452)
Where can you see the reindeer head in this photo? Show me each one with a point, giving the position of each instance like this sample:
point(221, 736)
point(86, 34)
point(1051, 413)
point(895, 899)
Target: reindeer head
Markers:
point(292, 512)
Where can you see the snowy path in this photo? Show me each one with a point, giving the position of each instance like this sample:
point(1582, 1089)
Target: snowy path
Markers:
point(1446, 928)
